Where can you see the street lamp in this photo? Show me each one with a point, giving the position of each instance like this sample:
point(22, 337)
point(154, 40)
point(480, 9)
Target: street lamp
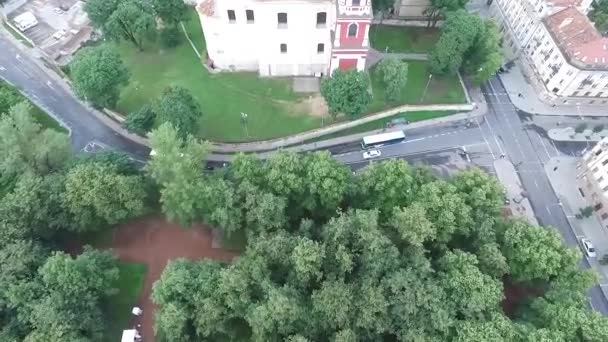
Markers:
point(426, 88)
point(244, 123)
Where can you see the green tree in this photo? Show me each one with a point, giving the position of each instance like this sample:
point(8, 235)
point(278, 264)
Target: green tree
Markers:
point(459, 33)
point(170, 11)
point(98, 74)
point(26, 147)
point(71, 293)
point(394, 77)
point(599, 14)
point(412, 225)
point(9, 97)
point(440, 8)
point(99, 11)
point(176, 168)
point(535, 253)
point(382, 6)
point(141, 121)
point(132, 20)
point(178, 107)
point(346, 92)
point(327, 182)
point(97, 195)
point(385, 186)
point(484, 58)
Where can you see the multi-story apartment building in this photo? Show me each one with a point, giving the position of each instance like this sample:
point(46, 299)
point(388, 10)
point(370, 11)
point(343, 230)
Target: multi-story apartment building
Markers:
point(592, 179)
point(557, 45)
point(286, 37)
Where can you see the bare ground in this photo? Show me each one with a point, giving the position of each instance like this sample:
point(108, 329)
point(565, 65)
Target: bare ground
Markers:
point(154, 241)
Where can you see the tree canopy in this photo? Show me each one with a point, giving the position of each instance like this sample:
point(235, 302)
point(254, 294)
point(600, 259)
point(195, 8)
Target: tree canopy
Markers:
point(390, 253)
point(467, 41)
point(346, 92)
point(98, 74)
point(599, 15)
point(394, 77)
point(178, 107)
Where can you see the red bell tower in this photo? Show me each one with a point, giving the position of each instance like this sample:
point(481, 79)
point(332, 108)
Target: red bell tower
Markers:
point(350, 41)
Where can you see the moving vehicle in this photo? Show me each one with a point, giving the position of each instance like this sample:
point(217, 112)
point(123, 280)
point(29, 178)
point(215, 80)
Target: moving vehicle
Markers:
point(371, 154)
point(588, 248)
point(382, 139)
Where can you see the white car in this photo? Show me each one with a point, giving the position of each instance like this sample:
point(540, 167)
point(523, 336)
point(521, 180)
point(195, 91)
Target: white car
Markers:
point(371, 154)
point(588, 248)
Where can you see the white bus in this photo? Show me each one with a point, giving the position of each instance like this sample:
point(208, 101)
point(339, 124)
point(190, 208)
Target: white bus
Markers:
point(382, 139)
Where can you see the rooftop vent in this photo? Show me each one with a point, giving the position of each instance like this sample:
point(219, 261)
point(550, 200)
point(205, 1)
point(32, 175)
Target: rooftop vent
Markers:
point(566, 22)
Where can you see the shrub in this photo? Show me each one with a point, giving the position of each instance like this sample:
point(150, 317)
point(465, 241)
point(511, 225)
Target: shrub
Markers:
point(170, 37)
point(141, 121)
point(598, 128)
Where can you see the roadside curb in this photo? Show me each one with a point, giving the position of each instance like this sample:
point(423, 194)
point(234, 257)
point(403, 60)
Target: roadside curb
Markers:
point(568, 134)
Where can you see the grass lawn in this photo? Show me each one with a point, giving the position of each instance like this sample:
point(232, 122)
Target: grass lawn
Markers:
point(129, 285)
point(269, 103)
point(441, 89)
point(381, 123)
point(17, 35)
point(403, 39)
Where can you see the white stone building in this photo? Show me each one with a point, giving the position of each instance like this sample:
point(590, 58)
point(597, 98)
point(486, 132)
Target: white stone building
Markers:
point(557, 45)
point(286, 37)
point(592, 179)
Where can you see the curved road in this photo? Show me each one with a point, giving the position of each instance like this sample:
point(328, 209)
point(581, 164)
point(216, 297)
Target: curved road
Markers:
point(19, 69)
point(504, 131)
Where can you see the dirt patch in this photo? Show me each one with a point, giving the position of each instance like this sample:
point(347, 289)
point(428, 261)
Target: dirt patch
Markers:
point(154, 241)
point(313, 105)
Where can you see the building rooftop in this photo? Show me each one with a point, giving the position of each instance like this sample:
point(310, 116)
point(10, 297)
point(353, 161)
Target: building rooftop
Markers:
point(565, 3)
point(578, 39)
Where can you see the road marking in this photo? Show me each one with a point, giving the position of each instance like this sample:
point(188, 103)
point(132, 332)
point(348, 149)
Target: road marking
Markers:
point(536, 184)
point(484, 138)
point(487, 122)
point(2, 68)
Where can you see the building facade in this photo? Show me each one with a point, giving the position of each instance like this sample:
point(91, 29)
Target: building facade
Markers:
point(558, 46)
point(286, 37)
point(592, 179)
point(413, 9)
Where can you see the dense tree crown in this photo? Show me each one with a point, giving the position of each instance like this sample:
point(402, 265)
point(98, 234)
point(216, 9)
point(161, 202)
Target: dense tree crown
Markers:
point(391, 253)
point(346, 92)
point(98, 74)
point(48, 192)
point(599, 15)
point(469, 42)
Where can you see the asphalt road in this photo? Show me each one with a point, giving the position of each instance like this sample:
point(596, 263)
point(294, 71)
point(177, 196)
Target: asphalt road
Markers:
point(504, 131)
point(87, 132)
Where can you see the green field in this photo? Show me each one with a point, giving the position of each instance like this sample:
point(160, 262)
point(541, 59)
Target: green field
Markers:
point(269, 103)
point(441, 89)
point(129, 285)
point(386, 38)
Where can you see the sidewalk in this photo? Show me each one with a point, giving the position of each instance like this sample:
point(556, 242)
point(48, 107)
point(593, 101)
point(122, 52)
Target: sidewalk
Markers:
point(569, 134)
point(563, 181)
point(515, 83)
point(507, 175)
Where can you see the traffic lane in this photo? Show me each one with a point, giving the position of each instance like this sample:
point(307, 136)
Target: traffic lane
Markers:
point(439, 141)
point(26, 75)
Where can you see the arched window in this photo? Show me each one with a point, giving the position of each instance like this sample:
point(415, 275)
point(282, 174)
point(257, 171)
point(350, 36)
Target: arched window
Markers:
point(352, 30)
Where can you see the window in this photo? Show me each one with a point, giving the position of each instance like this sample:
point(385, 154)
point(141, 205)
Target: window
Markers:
point(595, 169)
point(599, 180)
point(605, 162)
point(283, 48)
point(321, 19)
point(249, 15)
point(605, 188)
point(352, 30)
point(598, 152)
point(320, 48)
point(598, 206)
point(356, 3)
point(604, 216)
point(231, 16)
point(282, 19)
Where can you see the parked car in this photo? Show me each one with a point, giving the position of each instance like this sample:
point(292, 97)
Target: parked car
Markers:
point(371, 154)
point(588, 248)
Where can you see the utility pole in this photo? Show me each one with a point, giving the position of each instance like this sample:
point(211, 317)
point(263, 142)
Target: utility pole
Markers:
point(244, 123)
point(426, 88)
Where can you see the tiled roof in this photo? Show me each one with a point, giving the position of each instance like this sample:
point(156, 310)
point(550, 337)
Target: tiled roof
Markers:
point(565, 3)
point(578, 38)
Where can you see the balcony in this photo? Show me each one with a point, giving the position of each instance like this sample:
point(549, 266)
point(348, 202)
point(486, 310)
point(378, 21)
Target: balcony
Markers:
point(355, 10)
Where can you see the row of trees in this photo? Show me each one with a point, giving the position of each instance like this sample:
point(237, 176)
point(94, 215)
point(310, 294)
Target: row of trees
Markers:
point(136, 20)
point(467, 42)
point(391, 252)
point(48, 193)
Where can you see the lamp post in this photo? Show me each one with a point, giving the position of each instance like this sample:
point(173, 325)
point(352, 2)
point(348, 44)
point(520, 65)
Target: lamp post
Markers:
point(426, 88)
point(244, 123)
